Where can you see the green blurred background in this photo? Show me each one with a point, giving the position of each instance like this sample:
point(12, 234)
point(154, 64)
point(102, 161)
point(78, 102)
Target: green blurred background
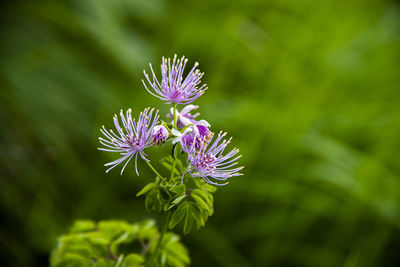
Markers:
point(309, 90)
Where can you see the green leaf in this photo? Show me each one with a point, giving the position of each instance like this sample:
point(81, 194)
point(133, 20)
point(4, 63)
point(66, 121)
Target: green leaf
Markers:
point(104, 263)
point(176, 201)
point(133, 260)
point(210, 188)
point(147, 229)
point(178, 215)
point(197, 216)
point(83, 226)
point(201, 203)
point(149, 200)
point(189, 214)
point(113, 229)
point(207, 197)
point(188, 221)
point(97, 238)
point(177, 254)
point(154, 201)
point(71, 258)
point(204, 195)
point(165, 196)
point(120, 261)
point(179, 189)
point(146, 189)
point(126, 237)
point(205, 215)
point(80, 249)
point(179, 165)
point(93, 248)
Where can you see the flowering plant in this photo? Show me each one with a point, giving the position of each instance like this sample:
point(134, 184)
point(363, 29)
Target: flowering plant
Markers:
point(197, 164)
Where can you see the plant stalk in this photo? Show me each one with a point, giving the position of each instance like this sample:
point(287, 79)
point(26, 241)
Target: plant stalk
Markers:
point(154, 170)
point(173, 148)
point(175, 119)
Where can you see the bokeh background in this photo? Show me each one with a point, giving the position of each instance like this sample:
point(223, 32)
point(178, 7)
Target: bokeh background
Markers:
point(309, 90)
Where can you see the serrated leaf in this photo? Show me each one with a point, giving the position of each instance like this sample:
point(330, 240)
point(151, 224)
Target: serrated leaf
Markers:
point(146, 189)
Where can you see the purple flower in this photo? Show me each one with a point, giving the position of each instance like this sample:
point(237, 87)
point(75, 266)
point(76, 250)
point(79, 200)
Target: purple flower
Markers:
point(131, 139)
point(183, 138)
point(159, 134)
point(199, 134)
point(208, 161)
point(173, 88)
point(189, 140)
point(184, 117)
point(200, 129)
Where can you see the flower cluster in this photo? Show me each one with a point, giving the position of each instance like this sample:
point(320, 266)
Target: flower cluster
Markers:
point(205, 157)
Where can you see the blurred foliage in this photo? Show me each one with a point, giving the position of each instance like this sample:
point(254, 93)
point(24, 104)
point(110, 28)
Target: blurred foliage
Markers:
point(116, 243)
point(309, 89)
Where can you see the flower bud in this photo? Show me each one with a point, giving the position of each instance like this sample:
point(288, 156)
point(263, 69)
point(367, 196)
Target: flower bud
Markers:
point(159, 134)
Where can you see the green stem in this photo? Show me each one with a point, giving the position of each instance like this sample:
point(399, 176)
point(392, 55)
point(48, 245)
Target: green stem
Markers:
point(163, 231)
point(173, 148)
point(154, 170)
point(187, 126)
point(166, 126)
point(175, 119)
